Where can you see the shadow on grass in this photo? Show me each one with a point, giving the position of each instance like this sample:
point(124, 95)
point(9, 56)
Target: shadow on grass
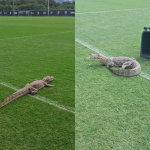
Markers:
point(97, 66)
point(142, 59)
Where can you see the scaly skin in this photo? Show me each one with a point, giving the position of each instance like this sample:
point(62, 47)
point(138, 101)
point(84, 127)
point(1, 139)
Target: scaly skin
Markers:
point(31, 88)
point(124, 62)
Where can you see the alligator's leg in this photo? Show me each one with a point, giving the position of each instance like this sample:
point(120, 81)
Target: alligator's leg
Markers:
point(110, 64)
point(33, 91)
point(127, 64)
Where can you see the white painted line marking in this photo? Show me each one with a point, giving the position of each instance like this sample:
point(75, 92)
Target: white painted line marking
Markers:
point(34, 35)
point(145, 75)
point(110, 11)
point(91, 47)
point(41, 98)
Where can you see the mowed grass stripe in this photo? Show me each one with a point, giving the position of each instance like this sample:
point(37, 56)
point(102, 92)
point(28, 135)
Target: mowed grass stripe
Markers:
point(28, 123)
point(27, 26)
point(41, 98)
point(38, 57)
point(35, 35)
point(111, 11)
point(112, 112)
point(91, 47)
point(107, 5)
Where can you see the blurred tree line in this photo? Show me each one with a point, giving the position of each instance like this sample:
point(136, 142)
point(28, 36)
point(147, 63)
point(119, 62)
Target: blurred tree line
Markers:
point(34, 5)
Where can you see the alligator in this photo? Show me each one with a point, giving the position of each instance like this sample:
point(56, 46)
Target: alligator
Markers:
point(133, 66)
point(31, 88)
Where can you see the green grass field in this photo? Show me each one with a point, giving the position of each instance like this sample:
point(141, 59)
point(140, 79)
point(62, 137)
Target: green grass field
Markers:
point(112, 112)
point(32, 48)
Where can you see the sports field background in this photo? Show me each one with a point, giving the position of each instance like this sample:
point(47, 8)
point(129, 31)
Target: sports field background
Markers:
point(112, 112)
point(32, 48)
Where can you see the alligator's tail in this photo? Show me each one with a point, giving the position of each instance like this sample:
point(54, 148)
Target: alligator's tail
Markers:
point(14, 96)
point(127, 73)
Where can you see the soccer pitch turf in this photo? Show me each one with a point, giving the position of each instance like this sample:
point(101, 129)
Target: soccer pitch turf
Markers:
point(32, 48)
point(112, 112)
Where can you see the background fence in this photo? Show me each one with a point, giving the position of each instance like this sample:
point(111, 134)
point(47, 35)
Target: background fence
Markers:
point(38, 13)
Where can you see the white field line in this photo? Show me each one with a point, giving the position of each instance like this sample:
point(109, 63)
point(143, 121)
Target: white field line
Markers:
point(34, 35)
point(110, 11)
point(41, 98)
point(91, 47)
point(143, 74)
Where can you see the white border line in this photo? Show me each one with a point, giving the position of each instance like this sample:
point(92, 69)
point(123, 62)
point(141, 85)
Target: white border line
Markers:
point(110, 11)
point(41, 98)
point(91, 47)
point(33, 35)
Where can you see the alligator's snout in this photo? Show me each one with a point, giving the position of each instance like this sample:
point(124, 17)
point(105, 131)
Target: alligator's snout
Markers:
point(92, 56)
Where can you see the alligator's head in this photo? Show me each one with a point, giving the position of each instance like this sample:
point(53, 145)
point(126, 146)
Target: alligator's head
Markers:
point(99, 58)
point(48, 78)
